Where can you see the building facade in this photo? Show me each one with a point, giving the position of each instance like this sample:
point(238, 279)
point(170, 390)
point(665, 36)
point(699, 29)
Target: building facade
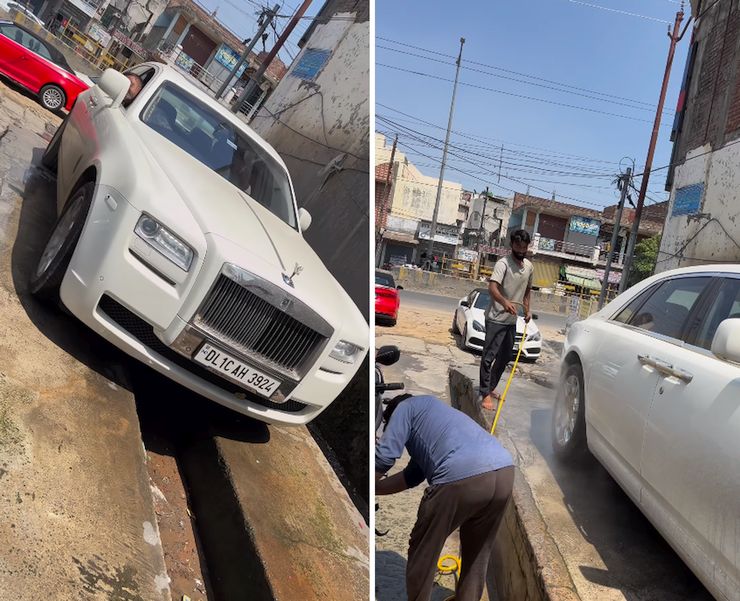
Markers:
point(703, 218)
point(318, 119)
point(408, 207)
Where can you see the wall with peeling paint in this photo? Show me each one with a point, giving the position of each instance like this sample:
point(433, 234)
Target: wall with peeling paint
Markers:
point(709, 231)
point(321, 129)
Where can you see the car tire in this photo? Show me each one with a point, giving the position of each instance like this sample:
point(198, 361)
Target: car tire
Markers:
point(464, 337)
point(50, 158)
point(52, 98)
point(54, 260)
point(569, 415)
point(455, 329)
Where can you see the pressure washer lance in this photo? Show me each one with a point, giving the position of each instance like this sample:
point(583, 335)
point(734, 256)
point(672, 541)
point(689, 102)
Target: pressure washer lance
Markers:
point(501, 400)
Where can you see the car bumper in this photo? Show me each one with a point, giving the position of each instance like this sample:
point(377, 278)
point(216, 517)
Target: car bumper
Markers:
point(132, 306)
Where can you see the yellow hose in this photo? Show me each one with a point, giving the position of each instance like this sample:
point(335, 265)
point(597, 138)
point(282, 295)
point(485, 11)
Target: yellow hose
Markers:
point(511, 377)
point(449, 564)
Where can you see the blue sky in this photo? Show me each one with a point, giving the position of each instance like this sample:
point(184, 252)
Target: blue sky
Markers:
point(548, 146)
point(240, 16)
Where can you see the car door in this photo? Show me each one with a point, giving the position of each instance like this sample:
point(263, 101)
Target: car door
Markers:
point(691, 450)
point(14, 60)
point(623, 376)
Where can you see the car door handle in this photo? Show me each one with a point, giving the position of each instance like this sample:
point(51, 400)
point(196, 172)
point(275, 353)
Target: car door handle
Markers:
point(682, 374)
point(661, 366)
point(92, 102)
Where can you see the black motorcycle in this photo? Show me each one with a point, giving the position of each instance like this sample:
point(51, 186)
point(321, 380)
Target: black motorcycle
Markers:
point(385, 355)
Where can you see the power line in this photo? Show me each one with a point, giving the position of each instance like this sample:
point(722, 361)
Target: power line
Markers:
point(531, 83)
point(621, 12)
point(505, 93)
point(483, 139)
point(581, 173)
point(519, 73)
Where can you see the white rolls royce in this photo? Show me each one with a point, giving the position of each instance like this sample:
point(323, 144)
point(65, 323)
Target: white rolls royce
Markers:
point(179, 240)
point(651, 386)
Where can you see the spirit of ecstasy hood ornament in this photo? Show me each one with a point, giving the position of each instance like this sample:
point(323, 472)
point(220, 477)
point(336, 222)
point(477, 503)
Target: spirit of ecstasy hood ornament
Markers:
point(288, 279)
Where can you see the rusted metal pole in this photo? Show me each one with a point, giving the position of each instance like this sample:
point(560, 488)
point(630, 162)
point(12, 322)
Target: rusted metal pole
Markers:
point(254, 79)
point(674, 37)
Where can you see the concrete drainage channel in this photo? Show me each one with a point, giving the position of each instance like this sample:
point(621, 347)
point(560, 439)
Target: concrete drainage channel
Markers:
point(526, 563)
point(245, 510)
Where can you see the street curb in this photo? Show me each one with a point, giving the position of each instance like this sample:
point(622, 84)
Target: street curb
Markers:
point(526, 563)
point(274, 521)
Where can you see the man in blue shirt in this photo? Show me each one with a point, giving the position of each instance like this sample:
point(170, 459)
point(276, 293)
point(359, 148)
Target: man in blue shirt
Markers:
point(470, 478)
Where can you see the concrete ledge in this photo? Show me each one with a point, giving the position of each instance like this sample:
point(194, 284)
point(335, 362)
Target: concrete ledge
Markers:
point(274, 521)
point(526, 565)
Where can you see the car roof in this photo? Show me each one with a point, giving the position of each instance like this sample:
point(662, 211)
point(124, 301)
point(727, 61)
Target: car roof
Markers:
point(174, 75)
point(733, 268)
point(385, 271)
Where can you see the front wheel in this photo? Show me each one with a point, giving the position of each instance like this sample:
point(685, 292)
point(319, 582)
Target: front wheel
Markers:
point(455, 329)
point(569, 415)
point(55, 258)
point(52, 97)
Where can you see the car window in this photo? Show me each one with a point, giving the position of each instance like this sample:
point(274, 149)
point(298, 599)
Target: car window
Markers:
point(222, 146)
point(668, 308)
point(725, 305)
point(483, 301)
point(384, 279)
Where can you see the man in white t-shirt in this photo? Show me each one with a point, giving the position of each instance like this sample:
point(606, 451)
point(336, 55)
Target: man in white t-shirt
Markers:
point(510, 285)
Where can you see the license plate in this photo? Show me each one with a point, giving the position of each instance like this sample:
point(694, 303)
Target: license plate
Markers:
point(236, 370)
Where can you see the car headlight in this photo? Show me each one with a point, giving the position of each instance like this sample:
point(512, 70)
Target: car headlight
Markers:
point(164, 242)
point(346, 352)
point(478, 326)
point(535, 337)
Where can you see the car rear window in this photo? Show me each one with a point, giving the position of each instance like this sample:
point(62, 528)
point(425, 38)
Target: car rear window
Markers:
point(220, 145)
point(384, 279)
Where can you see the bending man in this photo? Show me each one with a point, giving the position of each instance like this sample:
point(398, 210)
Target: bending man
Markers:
point(470, 476)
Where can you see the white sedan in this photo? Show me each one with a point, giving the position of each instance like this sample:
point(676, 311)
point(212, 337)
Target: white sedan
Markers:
point(180, 241)
point(651, 385)
point(470, 321)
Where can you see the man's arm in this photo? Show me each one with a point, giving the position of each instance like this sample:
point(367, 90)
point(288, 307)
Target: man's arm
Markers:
point(391, 484)
point(495, 289)
point(525, 302)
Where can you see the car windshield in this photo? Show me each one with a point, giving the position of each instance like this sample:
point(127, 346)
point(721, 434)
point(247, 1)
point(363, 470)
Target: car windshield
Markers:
point(483, 301)
point(384, 279)
point(222, 146)
point(29, 40)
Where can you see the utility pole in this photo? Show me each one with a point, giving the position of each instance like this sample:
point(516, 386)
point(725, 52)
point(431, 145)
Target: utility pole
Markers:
point(624, 182)
point(481, 229)
point(264, 22)
point(254, 79)
point(433, 229)
point(386, 194)
point(675, 38)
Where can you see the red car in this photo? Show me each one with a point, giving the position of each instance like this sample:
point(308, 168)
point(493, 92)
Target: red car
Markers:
point(38, 66)
point(386, 298)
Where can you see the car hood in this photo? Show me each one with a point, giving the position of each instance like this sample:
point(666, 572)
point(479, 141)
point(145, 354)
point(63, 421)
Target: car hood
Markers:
point(220, 209)
point(479, 315)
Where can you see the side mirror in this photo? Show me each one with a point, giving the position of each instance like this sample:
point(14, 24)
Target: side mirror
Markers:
point(464, 303)
point(387, 355)
point(726, 341)
point(304, 219)
point(115, 85)
point(399, 287)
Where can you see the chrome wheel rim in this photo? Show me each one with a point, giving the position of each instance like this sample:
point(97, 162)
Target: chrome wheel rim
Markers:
point(566, 409)
point(52, 98)
point(58, 236)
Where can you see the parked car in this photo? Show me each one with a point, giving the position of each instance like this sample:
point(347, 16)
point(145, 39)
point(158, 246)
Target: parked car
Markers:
point(180, 241)
point(470, 321)
point(26, 12)
point(387, 300)
point(39, 67)
point(651, 385)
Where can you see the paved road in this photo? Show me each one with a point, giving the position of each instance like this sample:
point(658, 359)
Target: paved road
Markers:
point(435, 302)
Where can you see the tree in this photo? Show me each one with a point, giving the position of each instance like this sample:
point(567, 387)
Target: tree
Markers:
point(646, 255)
